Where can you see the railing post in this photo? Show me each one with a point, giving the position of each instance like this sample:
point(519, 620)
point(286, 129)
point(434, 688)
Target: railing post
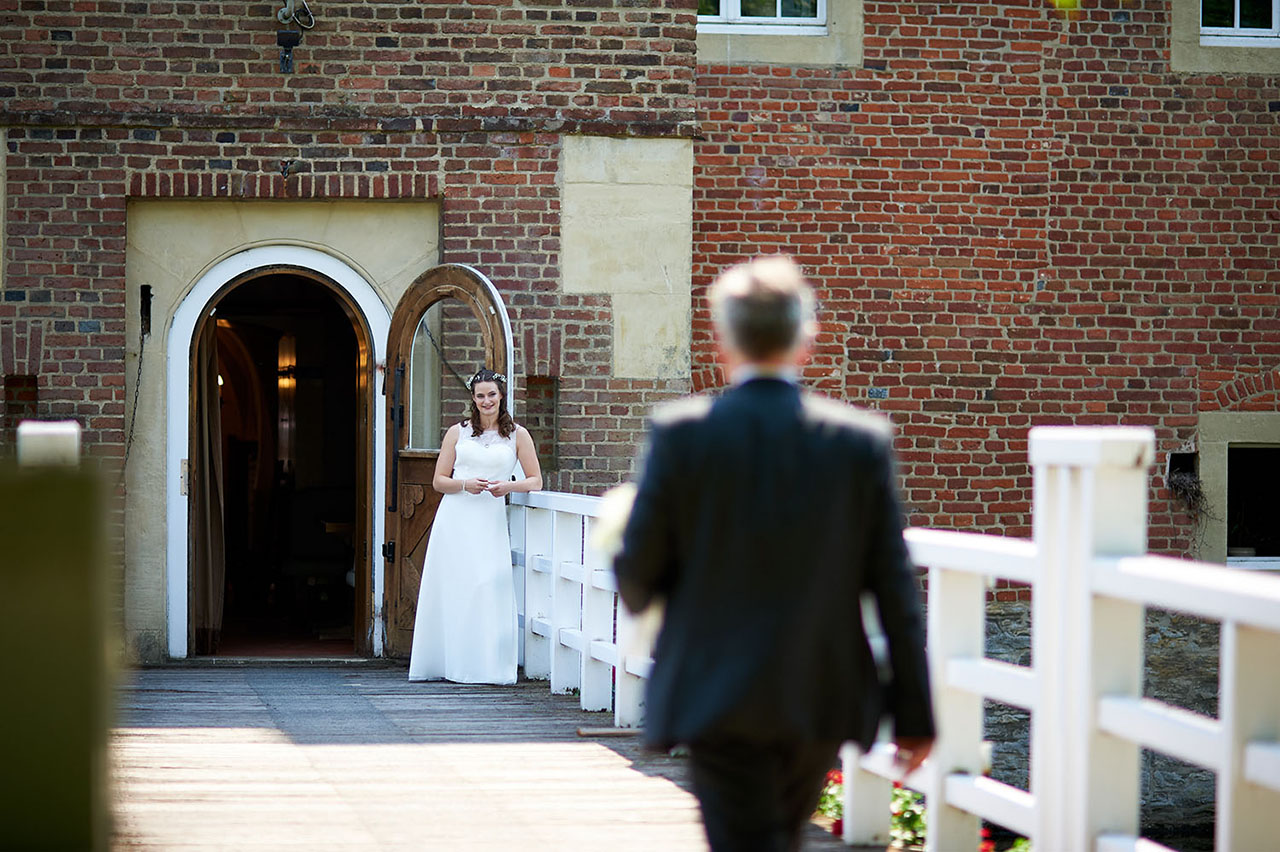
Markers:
point(537, 593)
point(516, 514)
point(866, 801)
point(566, 601)
point(597, 626)
point(1249, 710)
point(43, 443)
point(1090, 499)
point(957, 616)
point(628, 707)
point(56, 717)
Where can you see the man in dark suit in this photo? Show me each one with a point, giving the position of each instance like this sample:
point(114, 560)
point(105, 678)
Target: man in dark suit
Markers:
point(760, 519)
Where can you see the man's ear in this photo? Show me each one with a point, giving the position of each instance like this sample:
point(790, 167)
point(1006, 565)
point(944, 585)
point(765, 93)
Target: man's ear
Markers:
point(728, 357)
point(722, 352)
point(804, 350)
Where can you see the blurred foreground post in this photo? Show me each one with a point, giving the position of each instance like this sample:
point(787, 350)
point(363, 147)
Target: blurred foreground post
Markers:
point(53, 628)
point(42, 443)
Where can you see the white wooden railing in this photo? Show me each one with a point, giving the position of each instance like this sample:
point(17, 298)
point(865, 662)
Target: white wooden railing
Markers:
point(1091, 582)
point(575, 631)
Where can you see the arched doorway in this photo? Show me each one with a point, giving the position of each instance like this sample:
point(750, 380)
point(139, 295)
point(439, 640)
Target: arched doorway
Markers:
point(336, 525)
point(449, 323)
point(278, 420)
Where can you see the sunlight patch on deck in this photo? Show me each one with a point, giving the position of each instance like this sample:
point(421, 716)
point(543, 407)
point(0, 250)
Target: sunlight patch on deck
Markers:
point(253, 788)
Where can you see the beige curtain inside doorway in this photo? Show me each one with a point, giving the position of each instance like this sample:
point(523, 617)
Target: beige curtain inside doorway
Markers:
point(207, 545)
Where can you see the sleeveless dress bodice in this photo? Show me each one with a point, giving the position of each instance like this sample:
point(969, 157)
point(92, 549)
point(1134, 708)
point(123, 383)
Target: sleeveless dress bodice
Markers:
point(487, 456)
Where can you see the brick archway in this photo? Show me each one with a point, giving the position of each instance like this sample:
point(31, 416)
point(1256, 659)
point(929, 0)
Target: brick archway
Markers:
point(1258, 392)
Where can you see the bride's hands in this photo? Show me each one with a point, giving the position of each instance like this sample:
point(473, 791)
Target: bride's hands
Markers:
point(497, 489)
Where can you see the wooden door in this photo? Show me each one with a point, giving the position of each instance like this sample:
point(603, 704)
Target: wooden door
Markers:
point(447, 325)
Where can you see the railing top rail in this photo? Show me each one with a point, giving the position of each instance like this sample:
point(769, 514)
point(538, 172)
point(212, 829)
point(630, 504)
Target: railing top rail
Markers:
point(559, 501)
point(1092, 446)
point(1196, 588)
point(974, 553)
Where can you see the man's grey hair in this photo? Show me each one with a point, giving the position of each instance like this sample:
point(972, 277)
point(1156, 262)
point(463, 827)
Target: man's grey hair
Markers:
point(764, 307)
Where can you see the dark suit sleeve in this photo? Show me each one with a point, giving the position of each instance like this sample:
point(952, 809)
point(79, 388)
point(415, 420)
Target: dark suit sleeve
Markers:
point(645, 566)
point(891, 578)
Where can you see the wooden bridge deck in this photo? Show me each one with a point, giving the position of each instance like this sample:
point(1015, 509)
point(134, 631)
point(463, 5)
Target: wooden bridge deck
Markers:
point(355, 757)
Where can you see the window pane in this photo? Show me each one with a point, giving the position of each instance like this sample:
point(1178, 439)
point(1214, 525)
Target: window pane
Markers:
point(448, 346)
point(461, 354)
point(799, 8)
point(423, 383)
point(708, 7)
point(1217, 13)
point(1251, 524)
point(759, 8)
point(1255, 14)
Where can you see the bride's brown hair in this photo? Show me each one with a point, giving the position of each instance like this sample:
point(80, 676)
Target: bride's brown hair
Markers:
point(505, 424)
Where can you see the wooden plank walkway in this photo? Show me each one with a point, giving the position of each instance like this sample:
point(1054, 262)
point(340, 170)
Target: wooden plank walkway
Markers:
point(356, 757)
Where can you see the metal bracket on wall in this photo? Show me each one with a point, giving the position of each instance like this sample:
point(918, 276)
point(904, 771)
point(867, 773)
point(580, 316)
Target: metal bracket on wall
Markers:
point(287, 40)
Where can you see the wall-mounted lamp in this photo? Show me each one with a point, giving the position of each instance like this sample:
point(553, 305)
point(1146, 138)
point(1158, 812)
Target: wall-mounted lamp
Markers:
point(297, 13)
point(288, 40)
point(286, 414)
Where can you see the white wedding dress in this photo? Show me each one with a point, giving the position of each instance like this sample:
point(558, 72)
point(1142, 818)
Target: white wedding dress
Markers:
point(465, 629)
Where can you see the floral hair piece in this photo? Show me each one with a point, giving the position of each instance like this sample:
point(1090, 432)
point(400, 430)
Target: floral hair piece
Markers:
point(486, 375)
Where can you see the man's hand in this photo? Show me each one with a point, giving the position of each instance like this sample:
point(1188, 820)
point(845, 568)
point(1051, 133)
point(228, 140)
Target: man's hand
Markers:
point(911, 752)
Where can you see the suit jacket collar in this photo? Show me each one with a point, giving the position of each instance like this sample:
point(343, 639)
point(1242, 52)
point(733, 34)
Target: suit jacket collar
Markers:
point(751, 372)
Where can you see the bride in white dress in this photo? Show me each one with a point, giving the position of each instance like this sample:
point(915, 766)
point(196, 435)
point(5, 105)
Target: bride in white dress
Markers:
point(465, 629)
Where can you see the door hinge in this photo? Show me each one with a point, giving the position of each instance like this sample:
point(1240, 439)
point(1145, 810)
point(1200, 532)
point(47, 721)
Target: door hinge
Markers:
point(184, 471)
point(389, 551)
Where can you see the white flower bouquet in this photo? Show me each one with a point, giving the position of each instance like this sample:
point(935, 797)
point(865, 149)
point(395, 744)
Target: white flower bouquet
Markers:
point(606, 538)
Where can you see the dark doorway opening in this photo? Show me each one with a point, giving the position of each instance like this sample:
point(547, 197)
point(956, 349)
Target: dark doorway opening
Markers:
point(288, 365)
point(1251, 486)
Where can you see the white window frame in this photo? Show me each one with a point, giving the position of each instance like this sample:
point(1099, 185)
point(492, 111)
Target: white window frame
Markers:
point(730, 21)
point(1240, 36)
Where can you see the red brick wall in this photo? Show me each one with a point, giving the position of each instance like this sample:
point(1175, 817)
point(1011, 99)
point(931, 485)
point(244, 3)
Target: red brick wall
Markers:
point(1014, 218)
point(613, 65)
point(64, 275)
point(462, 102)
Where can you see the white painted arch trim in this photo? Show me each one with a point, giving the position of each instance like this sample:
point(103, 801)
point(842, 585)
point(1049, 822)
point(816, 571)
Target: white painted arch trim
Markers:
point(377, 320)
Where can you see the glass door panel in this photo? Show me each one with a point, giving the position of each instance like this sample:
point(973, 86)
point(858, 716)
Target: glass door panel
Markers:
point(448, 347)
